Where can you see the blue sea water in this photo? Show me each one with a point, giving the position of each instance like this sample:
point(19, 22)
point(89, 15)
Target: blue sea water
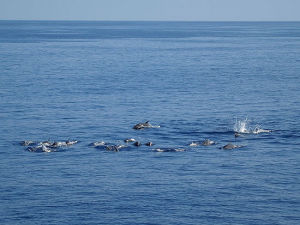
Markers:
point(93, 81)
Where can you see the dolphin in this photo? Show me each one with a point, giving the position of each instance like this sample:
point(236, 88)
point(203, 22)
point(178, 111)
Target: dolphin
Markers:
point(169, 150)
point(71, 142)
point(97, 143)
point(149, 143)
point(45, 149)
point(114, 148)
point(46, 143)
point(137, 143)
point(26, 143)
point(129, 140)
point(236, 134)
point(58, 144)
point(230, 146)
point(140, 126)
point(194, 143)
point(207, 142)
point(39, 148)
point(259, 130)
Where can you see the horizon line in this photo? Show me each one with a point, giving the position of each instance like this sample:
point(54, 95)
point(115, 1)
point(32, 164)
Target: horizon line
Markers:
point(84, 20)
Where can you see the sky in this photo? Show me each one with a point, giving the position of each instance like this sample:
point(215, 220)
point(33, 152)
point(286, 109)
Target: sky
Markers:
point(158, 10)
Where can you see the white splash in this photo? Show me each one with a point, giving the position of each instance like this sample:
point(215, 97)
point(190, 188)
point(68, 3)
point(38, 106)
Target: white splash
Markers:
point(244, 127)
point(241, 126)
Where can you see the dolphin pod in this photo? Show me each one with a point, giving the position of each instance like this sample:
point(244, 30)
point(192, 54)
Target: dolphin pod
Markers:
point(46, 146)
point(117, 147)
point(51, 146)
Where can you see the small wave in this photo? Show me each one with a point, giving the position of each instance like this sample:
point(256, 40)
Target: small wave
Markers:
point(287, 136)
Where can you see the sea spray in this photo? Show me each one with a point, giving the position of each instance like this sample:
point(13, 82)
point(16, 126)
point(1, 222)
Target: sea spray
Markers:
point(241, 126)
point(244, 127)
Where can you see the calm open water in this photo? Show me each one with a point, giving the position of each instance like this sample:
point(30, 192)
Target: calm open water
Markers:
point(92, 81)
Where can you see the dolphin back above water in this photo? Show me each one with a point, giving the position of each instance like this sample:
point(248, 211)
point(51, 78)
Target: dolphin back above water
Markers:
point(142, 125)
point(230, 146)
point(208, 142)
point(147, 124)
point(169, 150)
point(27, 143)
point(259, 130)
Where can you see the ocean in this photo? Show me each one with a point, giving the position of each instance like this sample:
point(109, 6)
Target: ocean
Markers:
point(93, 81)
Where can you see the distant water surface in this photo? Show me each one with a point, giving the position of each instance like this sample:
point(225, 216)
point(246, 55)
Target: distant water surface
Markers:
point(92, 81)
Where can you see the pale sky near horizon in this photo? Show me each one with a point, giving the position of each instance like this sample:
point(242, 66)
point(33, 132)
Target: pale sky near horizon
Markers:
point(190, 10)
